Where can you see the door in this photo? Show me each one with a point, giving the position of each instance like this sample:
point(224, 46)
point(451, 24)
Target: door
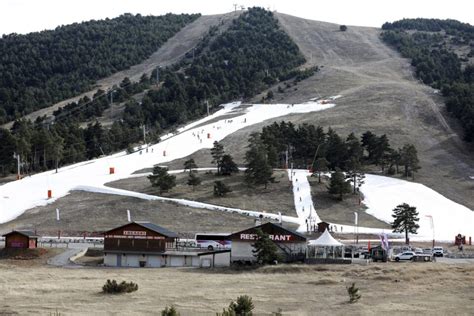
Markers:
point(119, 260)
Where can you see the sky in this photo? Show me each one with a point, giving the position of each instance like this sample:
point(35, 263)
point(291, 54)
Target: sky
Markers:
point(24, 16)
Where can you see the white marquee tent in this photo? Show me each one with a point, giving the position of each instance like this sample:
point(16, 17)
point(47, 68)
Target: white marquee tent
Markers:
point(325, 246)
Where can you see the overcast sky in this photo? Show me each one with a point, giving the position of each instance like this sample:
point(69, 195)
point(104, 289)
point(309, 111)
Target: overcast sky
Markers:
point(24, 16)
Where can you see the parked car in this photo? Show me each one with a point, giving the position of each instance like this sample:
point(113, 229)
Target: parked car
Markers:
point(427, 251)
point(406, 255)
point(438, 251)
point(418, 250)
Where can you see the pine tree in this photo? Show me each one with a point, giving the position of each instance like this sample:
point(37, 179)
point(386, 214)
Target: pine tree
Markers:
point(193, 180)
point(190, 165)
point(382, 148)
point(409, 159)
point(160, 178)
point(405, 220)
point(228, 166)
point(259, 171)
point(242, 307)
point(369, 142)
point(220, 189)
point(355, 176)
point(320, 165)
point(338, 184)
point(7, 162)
point(336, 150)
point(217, 152)
point(265, 249)
point(170, 311)
point(354, 148)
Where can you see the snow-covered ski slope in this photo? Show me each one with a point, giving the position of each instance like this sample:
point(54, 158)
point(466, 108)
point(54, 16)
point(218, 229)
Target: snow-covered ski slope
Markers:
point(381, 194)
point(19, 196)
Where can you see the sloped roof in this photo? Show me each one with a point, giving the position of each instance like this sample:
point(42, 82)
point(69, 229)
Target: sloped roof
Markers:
point(27, 233)
point(158, 229)
point(325, 240)
point(153, 227)
point(270, 226)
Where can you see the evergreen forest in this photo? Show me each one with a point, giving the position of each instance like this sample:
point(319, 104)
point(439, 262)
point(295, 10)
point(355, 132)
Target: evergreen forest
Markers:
point(42, 68)
point(231, 62)
point(434, 49)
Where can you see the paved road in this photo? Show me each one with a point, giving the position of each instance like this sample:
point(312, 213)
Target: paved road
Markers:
point(62, 260)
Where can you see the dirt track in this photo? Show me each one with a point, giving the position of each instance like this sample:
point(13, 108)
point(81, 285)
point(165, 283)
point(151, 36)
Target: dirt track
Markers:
point(379, 94)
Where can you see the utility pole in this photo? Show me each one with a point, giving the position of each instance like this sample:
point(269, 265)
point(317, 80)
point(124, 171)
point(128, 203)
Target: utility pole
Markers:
point(18, 165)
point(57, 158)
point(111, 97)
point(356, 222)
point(207, 105)
point(235, 7)
point(432, 227)
point(144, 134)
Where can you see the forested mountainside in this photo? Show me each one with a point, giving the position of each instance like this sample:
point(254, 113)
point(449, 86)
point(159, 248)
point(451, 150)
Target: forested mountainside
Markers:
point(442, 51)
point(250, 55)
point(231, 62)
point(39, 69)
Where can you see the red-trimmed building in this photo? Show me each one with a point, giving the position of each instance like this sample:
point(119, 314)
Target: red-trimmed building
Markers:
point(21, 239)
point(143, 244)
point(291, 245)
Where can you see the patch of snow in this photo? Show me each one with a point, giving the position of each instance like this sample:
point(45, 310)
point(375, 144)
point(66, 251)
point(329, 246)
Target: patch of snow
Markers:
point(33, 191)
point(383, 194)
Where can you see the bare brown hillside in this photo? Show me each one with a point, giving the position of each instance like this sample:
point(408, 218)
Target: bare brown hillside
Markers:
point(379, 94)
point(171, 51)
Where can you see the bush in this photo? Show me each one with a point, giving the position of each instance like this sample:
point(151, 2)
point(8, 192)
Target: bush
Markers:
point(112, 287)
point(242, 307)
point(353, 292)
point(342, 28)
point(220, 189)
point(169, 311)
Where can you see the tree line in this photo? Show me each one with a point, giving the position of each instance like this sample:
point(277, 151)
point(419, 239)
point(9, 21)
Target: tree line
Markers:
point(250, 55)
point(437, 64)
point(215, 73)
point(41, 68)
point(309, 146)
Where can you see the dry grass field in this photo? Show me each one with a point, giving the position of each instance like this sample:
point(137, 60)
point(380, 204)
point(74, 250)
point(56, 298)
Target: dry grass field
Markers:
point(278, 197)
point(397, 289)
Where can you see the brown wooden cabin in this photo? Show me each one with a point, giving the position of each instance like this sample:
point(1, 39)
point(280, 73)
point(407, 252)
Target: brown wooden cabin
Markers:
point(21, 239)
point(139, 237)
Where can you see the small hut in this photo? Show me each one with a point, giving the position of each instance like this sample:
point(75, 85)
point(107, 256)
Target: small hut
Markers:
point(21, 239)
point(325, 247)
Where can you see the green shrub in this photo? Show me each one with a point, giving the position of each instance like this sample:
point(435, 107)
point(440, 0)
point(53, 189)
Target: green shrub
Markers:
point(242, 307)
point(112, 287)
point(353, 292)
point(169, 311)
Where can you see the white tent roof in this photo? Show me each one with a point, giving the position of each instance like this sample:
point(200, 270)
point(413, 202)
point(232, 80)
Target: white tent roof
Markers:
point(325, 240)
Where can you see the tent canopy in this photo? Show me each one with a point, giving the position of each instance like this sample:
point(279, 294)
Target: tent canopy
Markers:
point(325, 240)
